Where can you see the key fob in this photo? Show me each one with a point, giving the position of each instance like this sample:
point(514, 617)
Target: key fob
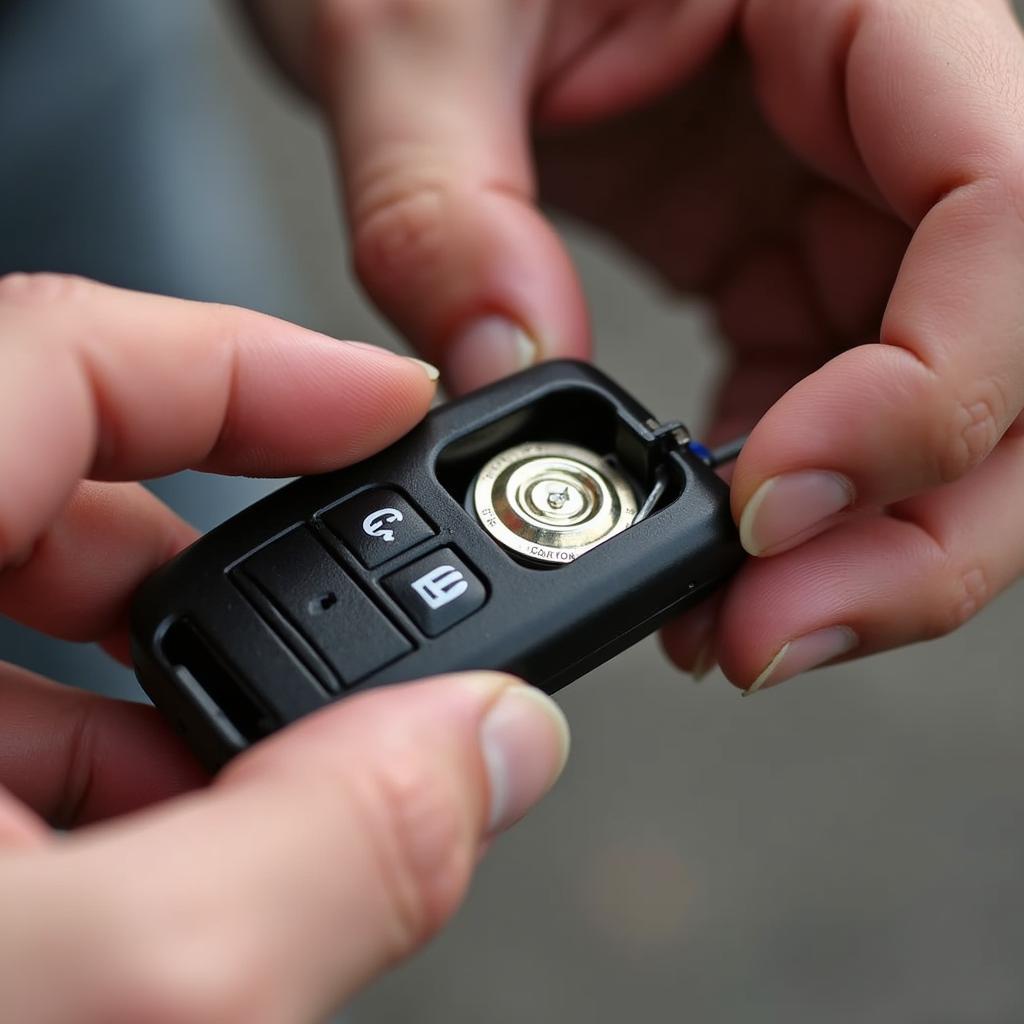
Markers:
point(539, 526)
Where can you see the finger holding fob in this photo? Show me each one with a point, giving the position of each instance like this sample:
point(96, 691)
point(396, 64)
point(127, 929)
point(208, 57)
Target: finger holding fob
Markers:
point(908, 453)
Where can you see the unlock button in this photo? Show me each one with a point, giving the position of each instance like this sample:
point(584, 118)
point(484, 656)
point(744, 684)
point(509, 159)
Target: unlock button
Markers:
point(377, 525)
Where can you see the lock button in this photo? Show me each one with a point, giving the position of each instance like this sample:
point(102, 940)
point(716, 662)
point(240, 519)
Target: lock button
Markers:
point(437, 592)
point(377, 525)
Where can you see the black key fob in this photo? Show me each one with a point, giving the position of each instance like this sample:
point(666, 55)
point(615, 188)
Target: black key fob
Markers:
point(538, 526)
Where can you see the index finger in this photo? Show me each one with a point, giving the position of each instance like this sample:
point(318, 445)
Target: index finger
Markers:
point(102, 383)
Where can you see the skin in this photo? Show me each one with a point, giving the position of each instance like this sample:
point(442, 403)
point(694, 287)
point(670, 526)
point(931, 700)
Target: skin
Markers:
point(174, 899)
point(842, 181)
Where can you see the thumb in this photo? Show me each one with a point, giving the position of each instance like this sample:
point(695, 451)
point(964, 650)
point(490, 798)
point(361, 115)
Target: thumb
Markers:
point(314, 862)
point(430, 103)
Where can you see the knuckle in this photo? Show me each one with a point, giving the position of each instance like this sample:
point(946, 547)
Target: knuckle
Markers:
point(972, 430)
point(39, 289)
point(424, 847)
point(170, 986)
point(966, 590)
point(400, 228)
point(340, 24)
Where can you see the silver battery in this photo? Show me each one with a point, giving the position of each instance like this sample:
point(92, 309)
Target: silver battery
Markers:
point(549, 503)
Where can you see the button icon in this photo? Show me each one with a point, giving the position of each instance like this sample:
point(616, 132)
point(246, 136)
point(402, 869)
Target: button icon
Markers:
point(376, 524)
point(437, 591)
point(441, 586)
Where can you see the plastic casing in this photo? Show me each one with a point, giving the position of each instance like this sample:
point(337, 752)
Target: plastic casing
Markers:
point(546, 625)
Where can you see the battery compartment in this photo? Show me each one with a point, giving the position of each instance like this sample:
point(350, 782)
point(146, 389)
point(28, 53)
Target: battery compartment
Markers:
point(578, 416)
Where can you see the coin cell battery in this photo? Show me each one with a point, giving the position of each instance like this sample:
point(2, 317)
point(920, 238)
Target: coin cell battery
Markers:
point(549, 503)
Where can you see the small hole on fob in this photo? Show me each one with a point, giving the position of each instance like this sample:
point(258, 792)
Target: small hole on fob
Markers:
point(323, 603)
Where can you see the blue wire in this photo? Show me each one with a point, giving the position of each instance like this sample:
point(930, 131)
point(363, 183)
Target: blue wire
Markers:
point(702, 453)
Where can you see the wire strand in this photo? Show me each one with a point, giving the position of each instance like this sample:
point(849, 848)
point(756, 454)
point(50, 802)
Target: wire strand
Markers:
point(728, 452)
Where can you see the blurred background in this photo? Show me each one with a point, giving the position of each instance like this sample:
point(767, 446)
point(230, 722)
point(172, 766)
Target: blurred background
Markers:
point(847, 848)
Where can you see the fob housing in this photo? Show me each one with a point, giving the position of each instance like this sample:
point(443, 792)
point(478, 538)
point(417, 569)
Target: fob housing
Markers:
point(381, 573)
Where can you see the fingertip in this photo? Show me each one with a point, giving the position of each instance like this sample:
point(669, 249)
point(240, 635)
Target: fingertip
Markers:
point(496, 293)
point(393, 361)
point(524, 735)
point(503, 742)
point(690, 642)
point(432, 372)
point(804, 654)
point(525, 742)
point(311, 403)
point(787, 510)
point(704, 662)
point(487, 350)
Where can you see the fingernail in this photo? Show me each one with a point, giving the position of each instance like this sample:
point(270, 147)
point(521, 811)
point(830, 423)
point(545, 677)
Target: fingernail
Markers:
point(803, 654)
point(525, 744)
point(705, 661)
point(792, 508)
point(486, 351)
point(701, 622)
point(432, 372)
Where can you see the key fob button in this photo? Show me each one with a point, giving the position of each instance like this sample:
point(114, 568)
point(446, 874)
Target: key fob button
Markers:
point(325, 605)
point(377, 525)
point(438, 591)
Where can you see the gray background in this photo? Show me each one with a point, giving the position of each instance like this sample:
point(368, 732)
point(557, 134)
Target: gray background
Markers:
point(847, 848)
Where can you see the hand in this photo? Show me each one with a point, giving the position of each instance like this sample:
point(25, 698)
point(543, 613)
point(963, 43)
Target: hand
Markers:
point(330, 850)
point(827, 173)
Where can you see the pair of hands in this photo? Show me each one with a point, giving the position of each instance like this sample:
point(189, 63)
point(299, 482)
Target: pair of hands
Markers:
point(879, 486)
